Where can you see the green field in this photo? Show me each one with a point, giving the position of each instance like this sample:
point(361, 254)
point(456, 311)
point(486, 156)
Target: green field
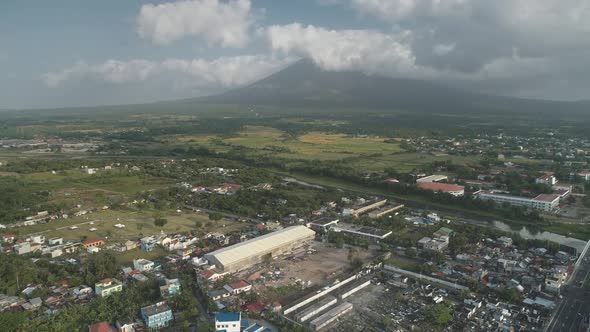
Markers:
point(75, 187)
point(405, 162)
point(137, 224)
point(313, 145)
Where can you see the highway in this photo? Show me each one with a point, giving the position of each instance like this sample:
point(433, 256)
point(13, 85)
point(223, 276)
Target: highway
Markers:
point(574, 307)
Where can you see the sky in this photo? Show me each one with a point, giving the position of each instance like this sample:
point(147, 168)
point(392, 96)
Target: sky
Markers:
point(81, 53)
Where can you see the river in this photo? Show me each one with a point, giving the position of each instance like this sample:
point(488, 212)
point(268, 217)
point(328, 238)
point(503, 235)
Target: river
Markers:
point(526, 234)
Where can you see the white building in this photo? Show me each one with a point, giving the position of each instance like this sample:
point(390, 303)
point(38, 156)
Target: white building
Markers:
point(143, 265)
point(228, 321)
point(548, 179)
point(544, 202)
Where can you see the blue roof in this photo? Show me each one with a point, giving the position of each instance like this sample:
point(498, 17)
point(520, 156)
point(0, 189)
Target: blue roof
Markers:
point(245, 323)
point(227, 316)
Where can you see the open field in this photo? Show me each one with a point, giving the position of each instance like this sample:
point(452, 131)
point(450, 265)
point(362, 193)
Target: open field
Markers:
point(74, 187)
point(405, 162)
point(313, 145)
point(137, 224)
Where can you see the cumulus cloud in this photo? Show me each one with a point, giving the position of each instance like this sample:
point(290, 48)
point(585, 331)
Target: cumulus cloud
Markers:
point(393, 55)
point(483, 31)
point(365, 50)
point(217, 22)
point(224, 72)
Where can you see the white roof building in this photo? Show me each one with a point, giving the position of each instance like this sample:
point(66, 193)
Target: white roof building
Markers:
point(250, 252)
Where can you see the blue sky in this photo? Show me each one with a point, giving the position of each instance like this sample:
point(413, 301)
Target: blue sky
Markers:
point(69, 53)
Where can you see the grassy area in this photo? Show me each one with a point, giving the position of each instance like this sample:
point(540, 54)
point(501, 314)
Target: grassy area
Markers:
point(406, 162)
point(314, 145)
point(127, 257)
point(137, 224)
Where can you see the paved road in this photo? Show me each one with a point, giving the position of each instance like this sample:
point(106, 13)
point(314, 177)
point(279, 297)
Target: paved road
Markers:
point(575, 305)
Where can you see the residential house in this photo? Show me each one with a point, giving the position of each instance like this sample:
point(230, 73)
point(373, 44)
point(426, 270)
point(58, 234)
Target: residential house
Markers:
point(107, 287)
point(101, 327)
point(238, 287)
point(123, 326)
point(7, 238)
point(228, 321)
point(143, 265)
point(211, 275)
point(22, 248)
point(169, 287)
point(547, 178)
point(147, 243)
point(130, 244)
point(157, 315)
point(55, 241)
point(93, 243)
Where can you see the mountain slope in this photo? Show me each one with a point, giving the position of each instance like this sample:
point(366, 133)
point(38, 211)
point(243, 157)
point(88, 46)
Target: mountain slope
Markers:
point(304, 84)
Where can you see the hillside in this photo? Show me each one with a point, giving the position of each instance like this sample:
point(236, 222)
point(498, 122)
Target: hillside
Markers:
point(303, 84)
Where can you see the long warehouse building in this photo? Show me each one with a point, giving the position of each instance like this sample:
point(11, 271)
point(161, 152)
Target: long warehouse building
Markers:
point(248, 253)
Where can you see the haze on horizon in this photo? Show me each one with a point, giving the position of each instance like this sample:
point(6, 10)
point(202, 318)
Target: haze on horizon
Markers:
point(68, 53)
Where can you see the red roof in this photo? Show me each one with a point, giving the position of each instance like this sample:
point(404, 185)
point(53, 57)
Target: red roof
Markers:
point(239, 284)
point(546, 197)
point(90, 241)
point(437, 186)
point(255, 307)
point(101, 327)
point(106, 280)
point(207, 274)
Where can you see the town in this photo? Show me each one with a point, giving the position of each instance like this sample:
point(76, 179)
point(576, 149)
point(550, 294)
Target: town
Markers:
point(274, 262)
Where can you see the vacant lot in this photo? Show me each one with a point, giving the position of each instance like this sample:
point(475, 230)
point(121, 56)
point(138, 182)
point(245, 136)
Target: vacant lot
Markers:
point(318, 268)
point(137, 224)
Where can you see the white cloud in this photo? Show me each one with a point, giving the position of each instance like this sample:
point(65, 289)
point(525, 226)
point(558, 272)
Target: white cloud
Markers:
point(217, 22)
point(536, 24)
point(369, 51)
point(224, 72)
point(402, 9)
point(443, 49)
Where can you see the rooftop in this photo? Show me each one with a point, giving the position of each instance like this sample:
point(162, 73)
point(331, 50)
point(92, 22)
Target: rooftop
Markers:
point(155, 309)
point(323, 221)
point(90, 241)
point(444, 187)
point(228, 317)
point(546, 197)
point(239, 284)
point(264, 243)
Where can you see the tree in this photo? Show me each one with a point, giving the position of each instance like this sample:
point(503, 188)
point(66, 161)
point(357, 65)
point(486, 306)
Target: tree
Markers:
point(215, 216)
point(510, 294)
point(160, 222)
point(439, 314)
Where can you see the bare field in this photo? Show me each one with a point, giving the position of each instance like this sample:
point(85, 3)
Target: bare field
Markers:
point(318, 268)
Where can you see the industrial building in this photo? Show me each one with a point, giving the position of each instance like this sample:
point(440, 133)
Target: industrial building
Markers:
point(366, 232)
point(248, 253)
point(451, 189)
point(330, 316)
point(323, 223)
point(432, 178)
point(544, 202)
point(387, 209)
point(357, 211)
point(315, 309)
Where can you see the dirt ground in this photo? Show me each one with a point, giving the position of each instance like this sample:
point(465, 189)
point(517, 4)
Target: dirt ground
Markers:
point(317, 268)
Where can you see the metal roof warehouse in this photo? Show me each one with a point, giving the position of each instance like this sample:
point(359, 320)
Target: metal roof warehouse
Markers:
point(245, 254)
